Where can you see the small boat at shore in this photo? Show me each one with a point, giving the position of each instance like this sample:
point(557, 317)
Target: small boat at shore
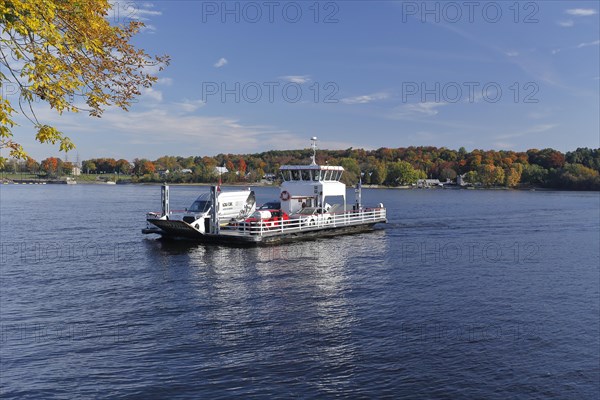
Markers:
point(312, 198)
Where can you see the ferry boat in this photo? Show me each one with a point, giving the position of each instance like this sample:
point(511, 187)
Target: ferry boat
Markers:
point(312, 204)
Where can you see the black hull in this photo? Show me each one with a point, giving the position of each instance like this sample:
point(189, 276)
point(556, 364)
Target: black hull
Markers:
point(179, 230)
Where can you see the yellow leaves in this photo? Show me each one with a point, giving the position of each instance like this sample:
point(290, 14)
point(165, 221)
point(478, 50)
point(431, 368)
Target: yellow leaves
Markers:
point(49, 134)
point(17, 151)
point(59, 49)
point(5, 112)
point(66, 144)
point(5, 132)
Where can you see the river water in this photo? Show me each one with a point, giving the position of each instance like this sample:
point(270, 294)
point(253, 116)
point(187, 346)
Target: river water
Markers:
point(463, 294)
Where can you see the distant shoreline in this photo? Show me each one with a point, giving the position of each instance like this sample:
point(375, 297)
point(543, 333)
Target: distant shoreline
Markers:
point(259, 184)
point(378, 187)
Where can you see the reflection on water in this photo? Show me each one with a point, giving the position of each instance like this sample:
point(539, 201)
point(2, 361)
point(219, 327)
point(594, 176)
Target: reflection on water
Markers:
point(245, 294)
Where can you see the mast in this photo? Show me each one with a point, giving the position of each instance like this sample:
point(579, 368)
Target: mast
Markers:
point(214, 211)
point(358, 192)
point(164, 196)
point(313, 144)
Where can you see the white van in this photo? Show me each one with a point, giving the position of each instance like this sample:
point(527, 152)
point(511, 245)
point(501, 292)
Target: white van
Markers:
point(233, 205)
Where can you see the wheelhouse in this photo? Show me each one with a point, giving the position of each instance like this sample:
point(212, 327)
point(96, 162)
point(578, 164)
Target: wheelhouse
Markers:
point(310, 173)
point(311, 186)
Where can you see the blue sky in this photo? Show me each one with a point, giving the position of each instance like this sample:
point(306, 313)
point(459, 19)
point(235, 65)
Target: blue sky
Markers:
point(356, 74)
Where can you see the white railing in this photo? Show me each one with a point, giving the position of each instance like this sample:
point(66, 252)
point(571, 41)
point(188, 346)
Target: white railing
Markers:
point(312, 222)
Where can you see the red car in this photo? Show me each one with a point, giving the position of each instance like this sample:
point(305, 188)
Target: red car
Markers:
point(268, 219)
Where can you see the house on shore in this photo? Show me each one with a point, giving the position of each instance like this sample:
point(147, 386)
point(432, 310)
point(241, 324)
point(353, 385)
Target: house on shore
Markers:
point(220, 170)
point(429, 183)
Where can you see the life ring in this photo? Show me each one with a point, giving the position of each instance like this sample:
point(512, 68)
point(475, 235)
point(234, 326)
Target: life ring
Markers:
point(285, 195)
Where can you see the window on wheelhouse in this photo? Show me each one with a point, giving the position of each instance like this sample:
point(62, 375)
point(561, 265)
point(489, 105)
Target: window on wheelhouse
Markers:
point(287, 175)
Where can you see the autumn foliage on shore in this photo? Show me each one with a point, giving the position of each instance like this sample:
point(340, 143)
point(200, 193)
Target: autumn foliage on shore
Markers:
point(575, 170)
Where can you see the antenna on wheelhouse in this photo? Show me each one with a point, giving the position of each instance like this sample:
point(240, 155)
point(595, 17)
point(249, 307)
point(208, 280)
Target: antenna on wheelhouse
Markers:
point(313, 144)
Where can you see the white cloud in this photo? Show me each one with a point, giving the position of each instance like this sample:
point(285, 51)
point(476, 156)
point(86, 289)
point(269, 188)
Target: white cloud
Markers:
point(427, 109)
point(198, 134)
point(152, 132)
point(566, 24)
point(539, 114)
point(165, 81)
point(141, 14)
point(512, 53)
point(477, 96)
point(189, 106)
point(152, 69)
point(594, 43)
point(153, 94)
point(501, 142)
point(534, 129)
point(299, 79)
point(122, 11)
point(365, 99)
point(581, 12)
point(142, 11)
point(221, 63)
point(579, 46)
point(148, 28)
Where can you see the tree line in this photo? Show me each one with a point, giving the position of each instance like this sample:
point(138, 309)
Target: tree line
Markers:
point(576, 170)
